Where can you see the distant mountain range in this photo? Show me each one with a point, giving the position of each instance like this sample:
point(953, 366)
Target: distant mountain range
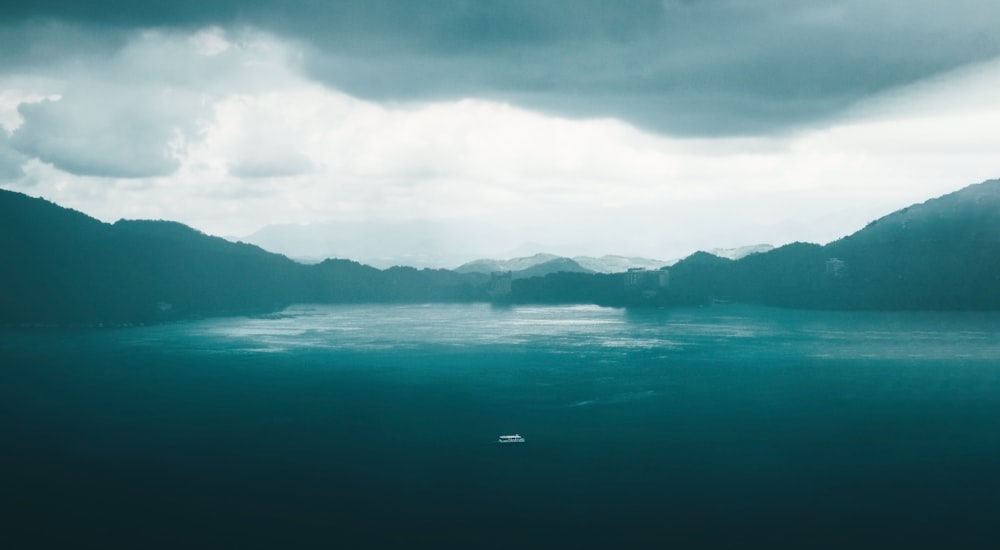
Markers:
point(425, 244)
point(740, 252)
point(381, 244)
point(544, 264)
point(61, 267)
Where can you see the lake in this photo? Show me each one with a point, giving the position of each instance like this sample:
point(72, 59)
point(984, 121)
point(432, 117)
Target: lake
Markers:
point(354, 426)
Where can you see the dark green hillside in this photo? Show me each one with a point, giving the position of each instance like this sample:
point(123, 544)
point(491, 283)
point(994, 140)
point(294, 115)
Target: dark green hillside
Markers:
point(794, 275)
point(47, 270)
point(345, 281)
point(941, 254)
point(172, 267)
point(699, 279)
point(570, 288)
point(407, 284)
point(60, 266)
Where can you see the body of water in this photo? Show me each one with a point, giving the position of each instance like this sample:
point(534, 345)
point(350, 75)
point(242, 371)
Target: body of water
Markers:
point(354, 426)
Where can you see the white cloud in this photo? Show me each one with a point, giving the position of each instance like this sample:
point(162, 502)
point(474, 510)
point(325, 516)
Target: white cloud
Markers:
point(260, 136)
point(132, 115)
point(19, 90)
point(138, 135)
point(210, 41)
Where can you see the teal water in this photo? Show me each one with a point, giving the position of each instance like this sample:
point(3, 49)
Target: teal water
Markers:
point(355, 426)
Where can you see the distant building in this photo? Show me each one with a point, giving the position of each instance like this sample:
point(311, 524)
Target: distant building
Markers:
point(645, 283)
point(834, 267)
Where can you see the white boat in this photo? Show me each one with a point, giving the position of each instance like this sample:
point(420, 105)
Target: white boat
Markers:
point(515, 438)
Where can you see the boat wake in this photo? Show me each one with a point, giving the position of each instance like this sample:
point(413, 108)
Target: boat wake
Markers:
point(615, 399)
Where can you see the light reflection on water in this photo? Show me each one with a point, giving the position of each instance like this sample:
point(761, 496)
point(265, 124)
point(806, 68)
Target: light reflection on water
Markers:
point(729, 330)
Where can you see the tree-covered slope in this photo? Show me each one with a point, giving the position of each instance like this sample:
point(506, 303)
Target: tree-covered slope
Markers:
point(60, 266)
point(941, 254)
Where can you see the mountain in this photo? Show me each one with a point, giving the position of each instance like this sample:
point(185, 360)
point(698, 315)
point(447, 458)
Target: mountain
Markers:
point(61, 267)
point(619, 264)
point(525, 266)
point(381, 244)
point(514, 264)
point(941, 254)
point(557, 265)
point(740, 252)
point(422, 243)
point(538, 265)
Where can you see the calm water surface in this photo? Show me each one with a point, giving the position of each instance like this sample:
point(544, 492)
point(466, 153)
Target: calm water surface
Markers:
point(354, 426)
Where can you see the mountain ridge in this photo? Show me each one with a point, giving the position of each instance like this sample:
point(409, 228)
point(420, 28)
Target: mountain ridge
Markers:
point(62, 267)
point(609, 263)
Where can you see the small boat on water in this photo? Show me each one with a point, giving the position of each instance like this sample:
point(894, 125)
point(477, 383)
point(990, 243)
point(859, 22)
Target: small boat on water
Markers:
point(515, 438)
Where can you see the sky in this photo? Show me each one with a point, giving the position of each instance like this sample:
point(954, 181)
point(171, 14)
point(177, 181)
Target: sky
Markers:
point(447, 130)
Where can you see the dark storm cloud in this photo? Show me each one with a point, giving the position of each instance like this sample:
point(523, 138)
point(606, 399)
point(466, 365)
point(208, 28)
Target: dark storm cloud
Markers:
point(691, 67)
point(39, 42)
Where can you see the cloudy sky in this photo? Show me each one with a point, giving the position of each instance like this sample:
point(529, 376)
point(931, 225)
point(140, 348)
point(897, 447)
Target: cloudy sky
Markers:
point(649, 128)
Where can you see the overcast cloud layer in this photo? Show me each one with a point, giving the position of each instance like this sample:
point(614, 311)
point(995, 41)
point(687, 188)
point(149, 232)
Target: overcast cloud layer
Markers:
point(591, 127)
point(706, 67)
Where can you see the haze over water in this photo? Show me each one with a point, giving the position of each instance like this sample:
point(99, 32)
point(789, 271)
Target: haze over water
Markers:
point(346, 426)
